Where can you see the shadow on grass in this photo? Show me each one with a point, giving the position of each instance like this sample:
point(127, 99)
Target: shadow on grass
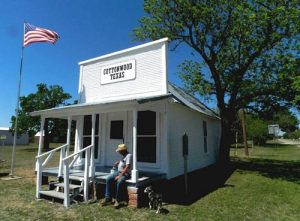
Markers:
point(3, 174)
point(35, 150)
point(205, 181)
point(274, 169)
point(200, 183)
point(30, 150)
point(275, 145)
point(268, 145)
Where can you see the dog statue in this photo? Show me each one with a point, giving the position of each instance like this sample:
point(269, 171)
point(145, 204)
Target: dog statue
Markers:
point(155, 199)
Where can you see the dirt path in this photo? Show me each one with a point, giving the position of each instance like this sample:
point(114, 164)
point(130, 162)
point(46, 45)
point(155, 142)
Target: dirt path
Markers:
point(289, 141)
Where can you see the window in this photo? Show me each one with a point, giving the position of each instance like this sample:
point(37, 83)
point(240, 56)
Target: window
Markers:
point(146, 137)
point(87, 133)
point(116, 129)
point(205, 136)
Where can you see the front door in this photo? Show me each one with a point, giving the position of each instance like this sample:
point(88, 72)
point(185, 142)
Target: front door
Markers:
point(116, 134)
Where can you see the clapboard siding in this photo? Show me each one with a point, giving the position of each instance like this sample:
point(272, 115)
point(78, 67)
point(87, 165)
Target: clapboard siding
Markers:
point(183, 120)
point(149, 76)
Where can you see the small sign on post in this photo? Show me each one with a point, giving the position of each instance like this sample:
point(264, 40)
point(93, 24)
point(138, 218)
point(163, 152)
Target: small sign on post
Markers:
point(273, 129)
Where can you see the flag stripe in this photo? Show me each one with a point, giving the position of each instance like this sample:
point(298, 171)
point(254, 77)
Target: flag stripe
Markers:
point(34, 34)
point(30, 35)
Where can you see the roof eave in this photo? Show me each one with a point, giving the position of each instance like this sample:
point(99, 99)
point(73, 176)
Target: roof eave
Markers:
point(123, 51)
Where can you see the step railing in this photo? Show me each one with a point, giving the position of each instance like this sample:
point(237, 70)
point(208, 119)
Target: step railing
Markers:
point(87, 174)
point(40, 165)
point(64, 165)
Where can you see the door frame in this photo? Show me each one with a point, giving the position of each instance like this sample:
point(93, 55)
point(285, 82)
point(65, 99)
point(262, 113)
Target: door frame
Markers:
point(111, 116)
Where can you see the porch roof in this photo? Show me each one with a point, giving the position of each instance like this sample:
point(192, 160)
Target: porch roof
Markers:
point(86, 108)
point(177, 93)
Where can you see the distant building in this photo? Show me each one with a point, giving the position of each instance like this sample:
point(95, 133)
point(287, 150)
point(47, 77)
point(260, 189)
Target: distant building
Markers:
point(7, 138)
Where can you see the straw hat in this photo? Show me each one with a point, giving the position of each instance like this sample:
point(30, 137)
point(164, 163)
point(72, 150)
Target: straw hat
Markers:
point(121, 147)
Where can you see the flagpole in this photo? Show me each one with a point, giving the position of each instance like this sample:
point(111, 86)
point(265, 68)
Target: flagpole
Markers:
point(13, 155)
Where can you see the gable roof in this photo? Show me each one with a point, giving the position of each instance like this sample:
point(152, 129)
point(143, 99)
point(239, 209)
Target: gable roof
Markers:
point(190, 101)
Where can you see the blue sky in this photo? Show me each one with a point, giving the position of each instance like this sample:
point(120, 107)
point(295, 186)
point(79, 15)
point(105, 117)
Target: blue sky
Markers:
point(87, 29)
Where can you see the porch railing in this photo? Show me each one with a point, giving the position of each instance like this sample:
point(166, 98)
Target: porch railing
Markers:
point(87, 175)
point(40, 165)
point(64, 165)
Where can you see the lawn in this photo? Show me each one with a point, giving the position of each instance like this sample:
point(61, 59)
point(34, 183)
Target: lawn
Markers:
point(264, 186)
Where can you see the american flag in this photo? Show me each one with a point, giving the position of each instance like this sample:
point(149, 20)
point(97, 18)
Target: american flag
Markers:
point(34, 34)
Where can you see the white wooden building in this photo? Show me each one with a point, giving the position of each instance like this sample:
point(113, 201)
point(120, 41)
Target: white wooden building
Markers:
point(125, 97)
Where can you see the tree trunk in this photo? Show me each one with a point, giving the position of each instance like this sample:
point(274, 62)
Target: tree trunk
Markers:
point(226, 135)
point(224, 145)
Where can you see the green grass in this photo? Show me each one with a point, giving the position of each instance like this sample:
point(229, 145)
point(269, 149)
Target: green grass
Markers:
point(264, 186)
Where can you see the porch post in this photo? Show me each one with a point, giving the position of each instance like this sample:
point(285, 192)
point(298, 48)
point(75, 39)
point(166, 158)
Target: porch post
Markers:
point(134, 172)
point(92, 164)
point(38, 165)
point(80, 122)
point(69, 134)
point(76, 146)
point(41, 140)
point(41, 144)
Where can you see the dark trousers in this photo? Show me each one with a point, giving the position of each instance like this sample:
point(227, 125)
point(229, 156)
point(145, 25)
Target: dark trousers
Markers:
point(119, 185)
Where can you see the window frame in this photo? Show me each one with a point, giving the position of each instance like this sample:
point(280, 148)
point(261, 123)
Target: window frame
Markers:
point(205, 144)
point(110, 130)
point(97, 136)
point(156, 135)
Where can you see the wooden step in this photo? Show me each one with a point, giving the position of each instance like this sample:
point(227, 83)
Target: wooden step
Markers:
point(77, 178)
point(71, 186)
point(54, 194)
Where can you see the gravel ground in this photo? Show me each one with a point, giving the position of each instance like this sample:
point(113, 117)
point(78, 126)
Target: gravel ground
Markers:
point(289, 141)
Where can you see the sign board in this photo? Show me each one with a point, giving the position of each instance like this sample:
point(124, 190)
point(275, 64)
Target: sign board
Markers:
point(273, 129)
point(118, 72)
point(2, 137)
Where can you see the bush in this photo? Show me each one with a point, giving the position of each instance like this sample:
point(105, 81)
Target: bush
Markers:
point(293, 135)
point(257, 130)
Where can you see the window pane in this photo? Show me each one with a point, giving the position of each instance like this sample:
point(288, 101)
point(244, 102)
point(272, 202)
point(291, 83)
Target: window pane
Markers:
point(204, 128)
point(96, 147)
point(87, 142)
point(116, 129)
point(205, 144)
point(146, 123)
point(205, 136)
point(97, 124)
point(87, 126)
point(146, 149)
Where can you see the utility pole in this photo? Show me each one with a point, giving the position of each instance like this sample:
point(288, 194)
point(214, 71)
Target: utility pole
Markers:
point(242, 115)
point(236, 143)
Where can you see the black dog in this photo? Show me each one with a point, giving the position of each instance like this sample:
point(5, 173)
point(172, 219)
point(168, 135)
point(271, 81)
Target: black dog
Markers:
point(155, 199)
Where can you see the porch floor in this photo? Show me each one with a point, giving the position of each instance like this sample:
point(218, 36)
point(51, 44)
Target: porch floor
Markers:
point(102, 172)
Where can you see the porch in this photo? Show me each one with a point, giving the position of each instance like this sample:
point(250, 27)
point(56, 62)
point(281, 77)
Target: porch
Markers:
point(99, 129)
point(102, 172)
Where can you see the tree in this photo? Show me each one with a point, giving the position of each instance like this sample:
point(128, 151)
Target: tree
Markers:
point(296, 83)
point(242, 46)
point(286, 120)
point(44, 98)
point(257, 129)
